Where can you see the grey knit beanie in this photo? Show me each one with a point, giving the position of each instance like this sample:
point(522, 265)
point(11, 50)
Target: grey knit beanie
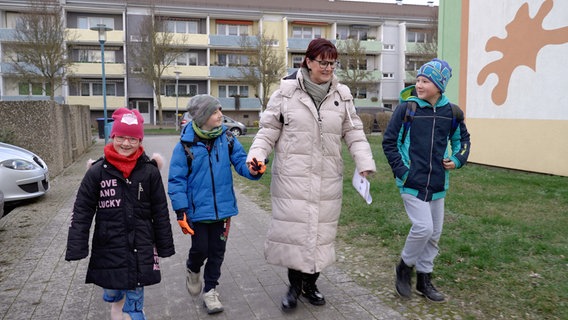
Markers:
point(201, 107)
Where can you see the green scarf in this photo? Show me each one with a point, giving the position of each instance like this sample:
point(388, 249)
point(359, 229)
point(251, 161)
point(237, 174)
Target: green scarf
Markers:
point(316, 91)
point(207, 135)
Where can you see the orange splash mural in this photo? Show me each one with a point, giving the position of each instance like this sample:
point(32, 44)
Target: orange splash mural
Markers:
point(525, 38)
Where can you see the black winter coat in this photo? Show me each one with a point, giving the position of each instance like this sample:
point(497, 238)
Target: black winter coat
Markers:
point(132, 225)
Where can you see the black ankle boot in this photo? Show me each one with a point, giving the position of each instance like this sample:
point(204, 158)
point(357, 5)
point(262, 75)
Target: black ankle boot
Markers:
point(425, 287)
point(290, 300)
point(310, 289)
point(403, 280)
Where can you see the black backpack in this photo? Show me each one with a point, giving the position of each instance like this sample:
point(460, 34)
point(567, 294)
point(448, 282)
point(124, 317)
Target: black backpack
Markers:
point(457, 117)
point(189, 155)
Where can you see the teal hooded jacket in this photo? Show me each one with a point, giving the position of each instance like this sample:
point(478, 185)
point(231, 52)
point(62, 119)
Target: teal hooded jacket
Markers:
point(417, 162)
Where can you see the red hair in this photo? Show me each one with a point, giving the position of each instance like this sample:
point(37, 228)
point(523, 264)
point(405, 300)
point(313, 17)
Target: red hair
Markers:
point(320, 47)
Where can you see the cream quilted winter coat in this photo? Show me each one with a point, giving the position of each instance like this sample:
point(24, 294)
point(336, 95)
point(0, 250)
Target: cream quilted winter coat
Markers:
point(307, 170)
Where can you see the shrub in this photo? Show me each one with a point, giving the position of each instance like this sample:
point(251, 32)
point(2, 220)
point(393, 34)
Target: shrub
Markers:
point(367, 120)
point(383, 119)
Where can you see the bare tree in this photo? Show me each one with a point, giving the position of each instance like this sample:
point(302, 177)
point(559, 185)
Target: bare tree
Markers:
point(426, 50)
point(155, 50)
point(353, 66)
point(39, 52)
point(265, 68)
point(429, 48)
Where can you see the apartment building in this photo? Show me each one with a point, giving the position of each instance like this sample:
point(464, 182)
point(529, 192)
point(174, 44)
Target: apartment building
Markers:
point(212, 32)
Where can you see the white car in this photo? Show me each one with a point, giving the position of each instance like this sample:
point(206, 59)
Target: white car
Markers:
point(236, 127)
point(23, 175)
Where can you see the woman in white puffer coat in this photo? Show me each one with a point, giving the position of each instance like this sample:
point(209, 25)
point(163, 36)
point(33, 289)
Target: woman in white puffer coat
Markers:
point(304, 123)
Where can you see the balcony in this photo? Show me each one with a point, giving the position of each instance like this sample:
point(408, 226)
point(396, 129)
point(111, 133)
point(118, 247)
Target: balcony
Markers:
point(298, 44)
point(232, 42)
point(95, 69)
point(169, 103)
point(224, 73)
point(96, 102)
point(195, 40)
point(7, 34)
point(188, 72)
point(90, 36)
point(250, 104)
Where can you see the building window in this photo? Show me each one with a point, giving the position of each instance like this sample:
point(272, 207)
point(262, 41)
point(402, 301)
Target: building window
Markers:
point(89, 22)
point(352, 32)
point(186, 59)
point(232, 60)
point(388, 47)
point(304, 32)
point(355, 64)
point(416, 36)
point(87, 55)
point(232, 30)
point(388, 75)
point(359, 93)
point(96, 89)
point(32, 89)
point(227, 91)
point(413, 64)
point(297, 61)
point(184, 90)
point(188, 27)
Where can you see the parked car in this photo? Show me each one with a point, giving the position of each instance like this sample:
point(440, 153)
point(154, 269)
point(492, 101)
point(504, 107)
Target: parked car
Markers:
point(236, 127)
point(23, 175)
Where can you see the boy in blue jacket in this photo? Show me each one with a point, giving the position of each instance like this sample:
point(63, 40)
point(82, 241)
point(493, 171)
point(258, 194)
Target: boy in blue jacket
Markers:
point(416, 147)
point(200, 186)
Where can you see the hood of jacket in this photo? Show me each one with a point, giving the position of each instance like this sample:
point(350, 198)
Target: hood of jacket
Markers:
point(409, 94)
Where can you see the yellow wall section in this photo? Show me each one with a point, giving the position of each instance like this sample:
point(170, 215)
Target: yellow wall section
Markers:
point(530, 145)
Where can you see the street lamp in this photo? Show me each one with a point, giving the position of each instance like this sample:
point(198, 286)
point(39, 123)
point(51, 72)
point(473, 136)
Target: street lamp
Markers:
point(177, 117)
point(102, 29)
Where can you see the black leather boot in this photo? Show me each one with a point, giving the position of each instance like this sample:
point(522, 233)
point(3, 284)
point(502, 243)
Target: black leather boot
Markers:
point(403, 280)
point(290, 300)
point(310, 289)
point(425, 287)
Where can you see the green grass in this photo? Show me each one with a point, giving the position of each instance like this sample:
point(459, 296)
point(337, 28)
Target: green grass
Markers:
point(504, 249)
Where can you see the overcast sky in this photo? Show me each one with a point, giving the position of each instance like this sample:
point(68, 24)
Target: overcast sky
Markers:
point(423, 2)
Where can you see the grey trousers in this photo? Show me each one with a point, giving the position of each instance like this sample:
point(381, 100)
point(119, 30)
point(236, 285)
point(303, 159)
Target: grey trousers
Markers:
point(421, 246)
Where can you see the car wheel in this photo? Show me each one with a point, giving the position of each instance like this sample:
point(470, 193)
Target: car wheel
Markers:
point(236, 132)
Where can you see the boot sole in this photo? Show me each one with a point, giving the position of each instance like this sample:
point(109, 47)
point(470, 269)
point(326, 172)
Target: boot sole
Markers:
point(314, 302)
point(212, 311)
point(427, 298)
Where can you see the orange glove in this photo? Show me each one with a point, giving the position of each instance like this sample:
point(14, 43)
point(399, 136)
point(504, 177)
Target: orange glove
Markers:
point(185, 228)
point(256, 166)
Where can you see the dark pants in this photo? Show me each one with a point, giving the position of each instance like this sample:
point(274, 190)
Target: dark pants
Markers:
point(297, 278)
point(208, 243)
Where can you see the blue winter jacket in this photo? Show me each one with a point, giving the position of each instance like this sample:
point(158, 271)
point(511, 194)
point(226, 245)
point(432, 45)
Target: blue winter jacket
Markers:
point(417, 161)
point(207, 193)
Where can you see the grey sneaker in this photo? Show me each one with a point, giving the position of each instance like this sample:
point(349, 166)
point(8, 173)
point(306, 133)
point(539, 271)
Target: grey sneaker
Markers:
point(211, 301)
point(193, 283)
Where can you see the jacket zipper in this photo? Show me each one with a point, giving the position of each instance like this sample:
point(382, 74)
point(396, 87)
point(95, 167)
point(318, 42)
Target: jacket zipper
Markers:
point(213, 180)
point(431, 151)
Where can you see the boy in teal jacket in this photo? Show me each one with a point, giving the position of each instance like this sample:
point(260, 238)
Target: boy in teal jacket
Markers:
point(416, 147)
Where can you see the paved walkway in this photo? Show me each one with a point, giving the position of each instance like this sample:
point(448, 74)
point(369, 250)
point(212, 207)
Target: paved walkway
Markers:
point(37, 283)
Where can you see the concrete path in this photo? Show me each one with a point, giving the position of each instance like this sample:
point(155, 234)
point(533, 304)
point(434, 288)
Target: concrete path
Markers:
point(37, 283)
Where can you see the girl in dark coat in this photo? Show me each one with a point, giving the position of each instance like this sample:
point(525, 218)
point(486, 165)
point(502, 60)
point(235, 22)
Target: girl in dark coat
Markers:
point(123, 191)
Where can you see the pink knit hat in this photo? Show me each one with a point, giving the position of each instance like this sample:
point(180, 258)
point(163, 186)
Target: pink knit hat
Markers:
point(127, 123)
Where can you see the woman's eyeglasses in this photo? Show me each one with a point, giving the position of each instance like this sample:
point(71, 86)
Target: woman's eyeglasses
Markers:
point(323, 64)
point(121, 139)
